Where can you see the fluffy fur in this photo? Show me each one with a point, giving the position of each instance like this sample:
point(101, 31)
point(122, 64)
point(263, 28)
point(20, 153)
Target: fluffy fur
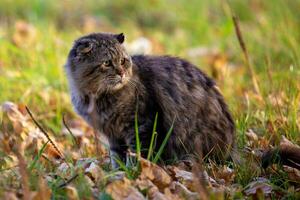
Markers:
point(108, 86)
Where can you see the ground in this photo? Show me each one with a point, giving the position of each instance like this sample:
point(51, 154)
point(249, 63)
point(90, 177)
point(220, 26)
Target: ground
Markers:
point(260, 84)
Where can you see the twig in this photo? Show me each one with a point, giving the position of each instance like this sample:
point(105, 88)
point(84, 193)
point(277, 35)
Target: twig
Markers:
point(44, 132)
point(64, 184)
point(245, 52)
point(47, 159)
point(69, 130)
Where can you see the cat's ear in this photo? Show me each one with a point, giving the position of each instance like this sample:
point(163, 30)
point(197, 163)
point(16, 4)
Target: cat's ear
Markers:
point(120, 37)
point(84, 46)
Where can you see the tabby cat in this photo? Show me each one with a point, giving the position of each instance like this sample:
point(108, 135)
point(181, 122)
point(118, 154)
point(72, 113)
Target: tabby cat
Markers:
point(108, 87)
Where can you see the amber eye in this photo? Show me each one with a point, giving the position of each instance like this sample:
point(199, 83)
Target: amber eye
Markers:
point(122, 61)
point(106, 63)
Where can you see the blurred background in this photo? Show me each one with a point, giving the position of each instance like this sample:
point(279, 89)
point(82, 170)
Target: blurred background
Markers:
point(36, 35)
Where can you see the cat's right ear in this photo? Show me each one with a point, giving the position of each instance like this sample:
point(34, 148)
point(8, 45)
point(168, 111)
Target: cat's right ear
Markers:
point(84, 46)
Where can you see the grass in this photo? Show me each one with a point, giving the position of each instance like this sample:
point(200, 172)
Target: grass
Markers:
point(153, 138)
point(34, 75)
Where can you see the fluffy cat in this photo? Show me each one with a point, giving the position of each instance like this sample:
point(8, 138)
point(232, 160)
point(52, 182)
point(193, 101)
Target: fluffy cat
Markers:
point(108, 87)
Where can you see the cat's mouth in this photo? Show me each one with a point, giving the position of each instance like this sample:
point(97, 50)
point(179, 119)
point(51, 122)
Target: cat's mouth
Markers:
point(117, 82)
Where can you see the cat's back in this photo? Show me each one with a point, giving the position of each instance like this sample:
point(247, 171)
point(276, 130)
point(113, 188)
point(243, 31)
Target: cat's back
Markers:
point(168, 70)
point(187, 95)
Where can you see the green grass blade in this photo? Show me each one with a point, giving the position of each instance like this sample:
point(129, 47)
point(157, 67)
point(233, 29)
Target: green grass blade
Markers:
point(150, 151)
point(162, 146)
point(124, 168)
point(137, 136)
point(37, 157)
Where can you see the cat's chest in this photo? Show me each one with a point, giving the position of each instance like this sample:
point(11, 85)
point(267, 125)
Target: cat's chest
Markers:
point(111, 115)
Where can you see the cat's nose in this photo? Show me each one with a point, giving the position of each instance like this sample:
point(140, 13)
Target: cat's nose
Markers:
point(120, 71)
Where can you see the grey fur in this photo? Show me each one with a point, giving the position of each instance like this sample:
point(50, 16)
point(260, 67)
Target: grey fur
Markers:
point(172, 87)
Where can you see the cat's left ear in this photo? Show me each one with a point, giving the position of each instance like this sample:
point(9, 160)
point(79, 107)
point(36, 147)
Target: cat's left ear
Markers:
point(120, 37)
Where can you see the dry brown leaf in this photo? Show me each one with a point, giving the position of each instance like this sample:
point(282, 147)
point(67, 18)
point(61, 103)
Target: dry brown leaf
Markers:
point(89, 181)
point(224, 175)
point(180, 189)
point(144, 184)
point(94, 172)
point(16, 118)
point(13, 112)
point(123, 189)
point(154, 173)
point(293, 174)
point(25, 132)
point(155, 194)
point(171, 196)
point(257, 186)
point(52, 153)
point(251, 135)
point(72, 193)
point(152, 191)
point(184, 177)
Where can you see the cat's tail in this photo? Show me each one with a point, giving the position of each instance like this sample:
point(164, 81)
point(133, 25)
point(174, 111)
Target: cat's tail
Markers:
point(285, 154)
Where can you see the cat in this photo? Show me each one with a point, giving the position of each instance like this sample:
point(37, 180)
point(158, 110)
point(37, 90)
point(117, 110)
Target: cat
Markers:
point(108, 87)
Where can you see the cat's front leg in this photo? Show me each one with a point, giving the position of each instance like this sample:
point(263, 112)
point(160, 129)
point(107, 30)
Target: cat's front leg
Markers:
point(118, 152)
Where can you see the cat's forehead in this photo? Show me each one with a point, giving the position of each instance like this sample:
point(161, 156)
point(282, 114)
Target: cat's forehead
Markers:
point(99, 39)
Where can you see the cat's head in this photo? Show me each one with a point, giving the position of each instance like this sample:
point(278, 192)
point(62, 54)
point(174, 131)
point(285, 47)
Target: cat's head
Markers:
point(99, 63)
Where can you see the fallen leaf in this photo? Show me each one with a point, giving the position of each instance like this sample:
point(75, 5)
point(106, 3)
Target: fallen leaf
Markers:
point(259, 185)
point(224, 175)
point(251, 135)
point(182, 176)
point(154, 173)
point(72, 193)
point(155, 194)
point(293, 174)
point(122, 189)
point(143, 184)
point(182, 190)
point(94, 172)
point(170, 196)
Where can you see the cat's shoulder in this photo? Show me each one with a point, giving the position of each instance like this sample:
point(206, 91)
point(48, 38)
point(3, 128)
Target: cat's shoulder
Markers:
point(169, 67)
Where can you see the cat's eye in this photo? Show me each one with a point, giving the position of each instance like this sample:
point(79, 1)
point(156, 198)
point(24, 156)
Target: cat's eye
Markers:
point(106, 63)
point(123, 61)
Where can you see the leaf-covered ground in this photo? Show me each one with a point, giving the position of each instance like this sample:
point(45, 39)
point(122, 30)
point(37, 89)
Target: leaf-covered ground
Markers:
point(35, 38)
